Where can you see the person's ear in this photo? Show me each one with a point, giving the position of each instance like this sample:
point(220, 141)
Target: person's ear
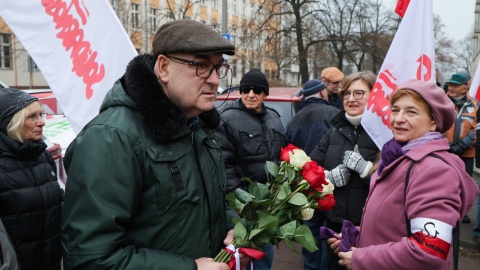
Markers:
point(161, 69)
point(433, 127)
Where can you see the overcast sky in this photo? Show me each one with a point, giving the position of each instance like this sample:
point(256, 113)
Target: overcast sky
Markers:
point(457, 15)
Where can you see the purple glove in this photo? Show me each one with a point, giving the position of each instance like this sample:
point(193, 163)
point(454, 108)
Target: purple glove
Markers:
point(349, 235)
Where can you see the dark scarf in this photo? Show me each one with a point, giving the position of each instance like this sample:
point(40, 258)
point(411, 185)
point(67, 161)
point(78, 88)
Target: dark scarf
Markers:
point(24, 151)
point(392, 149)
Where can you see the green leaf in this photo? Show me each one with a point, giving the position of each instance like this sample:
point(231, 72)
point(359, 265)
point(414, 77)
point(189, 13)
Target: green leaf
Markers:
point(288, 230)
point(298, 199)
point(238, 205)
point(243, 196)
point(272, 168)
point(253, 233)
point(240, 232)
point(259, 191)
point(266, 221)
point(230, 198)
point(282, 194)
point(304, 237)
point(290, 172)
point(246, 179)
point(262, 204)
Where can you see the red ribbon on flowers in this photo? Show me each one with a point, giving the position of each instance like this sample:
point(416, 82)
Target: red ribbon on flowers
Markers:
point(250, 252)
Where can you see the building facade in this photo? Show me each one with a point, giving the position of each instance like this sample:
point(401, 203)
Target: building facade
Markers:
point(246, 24)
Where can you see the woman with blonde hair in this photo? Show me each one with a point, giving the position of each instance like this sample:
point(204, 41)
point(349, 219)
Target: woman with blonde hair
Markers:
point(30, 196)
point(347, 153)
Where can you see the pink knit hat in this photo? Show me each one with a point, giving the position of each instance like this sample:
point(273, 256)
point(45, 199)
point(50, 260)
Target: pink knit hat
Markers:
point(442, 107)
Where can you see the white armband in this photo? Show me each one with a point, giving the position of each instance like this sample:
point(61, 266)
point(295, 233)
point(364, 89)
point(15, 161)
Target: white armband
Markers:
point(431, 235)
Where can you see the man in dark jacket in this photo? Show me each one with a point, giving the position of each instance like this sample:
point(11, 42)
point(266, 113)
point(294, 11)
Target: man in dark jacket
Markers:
point(146, 179)
point(305, 130)
point(251, 134)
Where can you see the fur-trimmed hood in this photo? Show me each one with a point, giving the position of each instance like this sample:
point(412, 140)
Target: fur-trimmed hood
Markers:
point(161, 115)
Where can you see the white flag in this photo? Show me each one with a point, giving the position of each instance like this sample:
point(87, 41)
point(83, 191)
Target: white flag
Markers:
point(475, 86)
point(410, 56)
point(80, 47)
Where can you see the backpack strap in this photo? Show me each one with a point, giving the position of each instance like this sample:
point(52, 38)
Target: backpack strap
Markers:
point(456, 230)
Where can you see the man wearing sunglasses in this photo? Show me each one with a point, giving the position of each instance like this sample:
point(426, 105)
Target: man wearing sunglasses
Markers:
point(252, 133)
point(146, 179)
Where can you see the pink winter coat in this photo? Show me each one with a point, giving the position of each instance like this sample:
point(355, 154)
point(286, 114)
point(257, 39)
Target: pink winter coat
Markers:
point(436, 190)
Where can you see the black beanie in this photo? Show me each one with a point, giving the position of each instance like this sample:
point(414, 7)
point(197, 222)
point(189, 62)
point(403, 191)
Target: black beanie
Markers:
point(255, 78)
point(12, 101)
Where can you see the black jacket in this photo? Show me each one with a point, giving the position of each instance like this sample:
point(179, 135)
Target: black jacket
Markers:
point(30, 203)
point(350, 199)
point(249, 139)
point(308, 126)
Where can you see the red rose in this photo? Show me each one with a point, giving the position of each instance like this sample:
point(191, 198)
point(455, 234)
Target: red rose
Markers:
point(315, 175)
point(284, 153)
point(326, 202)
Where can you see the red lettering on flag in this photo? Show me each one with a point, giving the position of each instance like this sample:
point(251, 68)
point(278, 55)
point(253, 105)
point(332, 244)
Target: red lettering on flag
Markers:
point(72, 36)
point(426, 62)
point(378, 102)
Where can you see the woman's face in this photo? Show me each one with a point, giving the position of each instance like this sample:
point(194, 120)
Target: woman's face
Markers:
point(355, 97)
point(410, 120)
point(33, 125)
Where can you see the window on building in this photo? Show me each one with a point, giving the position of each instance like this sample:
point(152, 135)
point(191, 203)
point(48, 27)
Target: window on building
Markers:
point(153, 19)
point(5, 50)
point(203, 2)
point(114, 5)
point(135, 15)
point(234, 7)
point(170, 16)
point(214, 4)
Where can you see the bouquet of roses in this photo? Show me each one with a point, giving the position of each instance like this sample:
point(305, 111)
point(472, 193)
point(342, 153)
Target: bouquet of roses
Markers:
point(273, 211)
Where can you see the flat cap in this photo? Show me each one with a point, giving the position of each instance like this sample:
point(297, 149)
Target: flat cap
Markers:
point(332, 74)
point(189, 36)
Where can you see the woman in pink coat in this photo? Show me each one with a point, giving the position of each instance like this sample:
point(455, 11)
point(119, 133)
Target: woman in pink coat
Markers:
point(438, 194)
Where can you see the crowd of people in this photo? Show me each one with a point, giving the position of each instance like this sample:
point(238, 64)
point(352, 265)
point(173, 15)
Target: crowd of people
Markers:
point(148, 176)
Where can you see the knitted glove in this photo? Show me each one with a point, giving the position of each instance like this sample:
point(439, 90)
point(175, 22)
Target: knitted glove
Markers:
point(354, 161)
point(338, 176)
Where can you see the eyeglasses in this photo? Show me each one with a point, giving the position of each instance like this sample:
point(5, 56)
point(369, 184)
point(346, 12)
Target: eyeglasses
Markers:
point(247, 89)
point(204, 69)
point(37, 117)
point(357, 94)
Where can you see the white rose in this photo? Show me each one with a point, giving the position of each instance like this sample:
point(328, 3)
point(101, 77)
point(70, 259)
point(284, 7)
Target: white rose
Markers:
point(307, 213)
point(298, 158)
point(328, 189)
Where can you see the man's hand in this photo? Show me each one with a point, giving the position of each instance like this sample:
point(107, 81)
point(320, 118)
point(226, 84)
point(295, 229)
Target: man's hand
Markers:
point(209, 264)
point(338, 176)
point(244, 260)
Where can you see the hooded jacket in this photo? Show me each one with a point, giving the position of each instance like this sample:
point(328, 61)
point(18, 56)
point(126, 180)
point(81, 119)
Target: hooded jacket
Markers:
point(146, 189)
point(437, 190)
point(30, 203)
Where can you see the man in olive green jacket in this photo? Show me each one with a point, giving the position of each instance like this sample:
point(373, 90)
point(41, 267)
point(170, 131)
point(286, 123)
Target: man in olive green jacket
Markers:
point(146, 179)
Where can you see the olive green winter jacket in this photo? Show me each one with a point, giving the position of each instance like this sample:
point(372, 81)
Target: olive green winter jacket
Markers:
point(145, 190)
